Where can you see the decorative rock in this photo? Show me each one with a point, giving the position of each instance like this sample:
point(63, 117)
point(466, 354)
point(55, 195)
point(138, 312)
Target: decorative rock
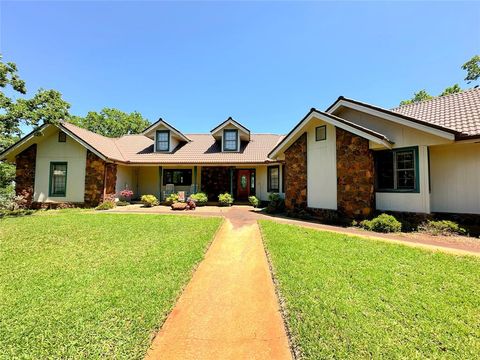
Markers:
point(179, 206)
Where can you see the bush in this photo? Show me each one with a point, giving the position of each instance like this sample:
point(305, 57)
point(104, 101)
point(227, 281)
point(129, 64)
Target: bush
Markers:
point(382, 223)
point(225, 199)
point(200, 198)
point(122, 203)
point(442, 227)
point(253, 200)
point(106, 205)
point(171, 199)
point(7, 198)
point(126, 194)
point(276, 204)
point(149, 200)
point(15, 213)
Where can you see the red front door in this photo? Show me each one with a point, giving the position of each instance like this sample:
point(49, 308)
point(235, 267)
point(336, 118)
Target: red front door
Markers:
point(243, 184)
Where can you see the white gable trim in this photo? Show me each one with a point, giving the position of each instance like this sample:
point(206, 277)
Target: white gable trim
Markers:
point(330, 120)
point(230, 122)
point(154, 126)
point(391, 117)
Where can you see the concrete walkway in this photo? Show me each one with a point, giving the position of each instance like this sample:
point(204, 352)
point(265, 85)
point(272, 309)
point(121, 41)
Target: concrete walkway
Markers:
point(229, 310)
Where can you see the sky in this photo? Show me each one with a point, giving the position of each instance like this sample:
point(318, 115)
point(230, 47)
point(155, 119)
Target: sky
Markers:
point(264, 63)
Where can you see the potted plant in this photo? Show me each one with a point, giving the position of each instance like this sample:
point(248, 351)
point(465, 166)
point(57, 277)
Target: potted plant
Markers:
point(126, 194)
point(225, 199)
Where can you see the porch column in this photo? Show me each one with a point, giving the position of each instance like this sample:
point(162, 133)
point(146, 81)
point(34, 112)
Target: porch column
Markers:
point(195, 181)
point(231, 181)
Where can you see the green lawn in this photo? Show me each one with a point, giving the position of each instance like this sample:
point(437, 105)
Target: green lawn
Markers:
point(80, 285)
point(348, 297)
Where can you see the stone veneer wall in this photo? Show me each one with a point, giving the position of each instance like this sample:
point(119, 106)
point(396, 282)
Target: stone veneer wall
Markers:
point(215, 180)
point(94, 179)
point(25, 174)
point(296, 175)
point(355, 175)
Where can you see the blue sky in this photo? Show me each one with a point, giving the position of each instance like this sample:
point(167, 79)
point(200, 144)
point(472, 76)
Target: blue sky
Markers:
point(263, 63)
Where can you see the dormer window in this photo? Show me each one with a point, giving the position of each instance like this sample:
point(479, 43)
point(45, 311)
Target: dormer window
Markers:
point(230, 140)
point(163, 140)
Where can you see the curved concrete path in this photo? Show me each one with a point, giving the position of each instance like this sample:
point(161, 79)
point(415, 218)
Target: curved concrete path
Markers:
point(229, 310)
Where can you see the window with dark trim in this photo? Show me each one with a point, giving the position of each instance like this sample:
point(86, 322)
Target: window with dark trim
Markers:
point(230, 140)
point(321, 133)
point(397, 170)
point(62, 137)
point(181, 177)
point(273, 178)
point(58, 179)
point(252, 182)
point(163, 140)
point(283, 178)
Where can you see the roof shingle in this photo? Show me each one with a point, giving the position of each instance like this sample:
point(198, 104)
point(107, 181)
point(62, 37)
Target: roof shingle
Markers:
point(459, 112)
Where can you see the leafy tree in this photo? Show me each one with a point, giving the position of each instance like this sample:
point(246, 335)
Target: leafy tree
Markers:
point(452, 90)
point(112, 122)
point(472, 67)
point(418, 96)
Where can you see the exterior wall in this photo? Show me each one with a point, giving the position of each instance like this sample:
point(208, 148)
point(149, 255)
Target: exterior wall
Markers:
point(261, 182)
point(148, 181)
point(99, 177)
point(185, 188)
point(296, 175)
point(321, 168)
point(215, 180)
point(50, 150)
point(403, 136)
point(25, 174)
point(125, 179)
point(455, 178)
point(409, 202)
point(355, 172)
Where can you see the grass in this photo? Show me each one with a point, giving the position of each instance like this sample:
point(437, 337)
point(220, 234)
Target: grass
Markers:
point(349, 297)
point(80, 285)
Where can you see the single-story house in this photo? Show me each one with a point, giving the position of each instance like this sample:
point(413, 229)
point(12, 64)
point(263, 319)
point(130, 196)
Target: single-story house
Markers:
point(353, 158)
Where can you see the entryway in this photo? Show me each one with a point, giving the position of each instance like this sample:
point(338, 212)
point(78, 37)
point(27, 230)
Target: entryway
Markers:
point(244, 184)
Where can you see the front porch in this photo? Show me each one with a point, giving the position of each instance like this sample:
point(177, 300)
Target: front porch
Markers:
point(161, 181)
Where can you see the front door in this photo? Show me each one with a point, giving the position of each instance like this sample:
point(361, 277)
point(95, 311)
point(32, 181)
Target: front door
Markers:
point(243, 184)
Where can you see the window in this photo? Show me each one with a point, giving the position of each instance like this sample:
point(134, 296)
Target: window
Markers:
point(273, 179)
point(321, 133)
point(62, 137)
point(58, 179)
point(163, 140)
point(283, 178)
point(397, 170)
point(230, 140)
point(177, 177)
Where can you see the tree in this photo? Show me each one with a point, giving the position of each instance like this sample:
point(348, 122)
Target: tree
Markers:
point(418, 96)
point(472, 67)
point(112, 122)
point(452, 90)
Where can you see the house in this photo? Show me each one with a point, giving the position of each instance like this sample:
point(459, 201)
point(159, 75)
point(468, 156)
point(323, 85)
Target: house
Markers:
point(67, 164)
point(353, 158)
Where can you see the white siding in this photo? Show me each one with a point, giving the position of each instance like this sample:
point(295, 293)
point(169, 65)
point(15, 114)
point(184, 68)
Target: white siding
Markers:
point(321, 168)
point(410, 202)
point(75, 155)
point(125, 179)
point(455, 173)
point(148, 181)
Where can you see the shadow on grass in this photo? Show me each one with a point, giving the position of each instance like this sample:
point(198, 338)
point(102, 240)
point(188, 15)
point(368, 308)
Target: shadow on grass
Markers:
point(16, 213)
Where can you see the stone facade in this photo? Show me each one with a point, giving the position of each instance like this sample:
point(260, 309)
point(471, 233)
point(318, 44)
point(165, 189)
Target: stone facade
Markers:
point(25, 174)
point(296, 175)
point(94, 179)
point(215, 180)
point(355, 175)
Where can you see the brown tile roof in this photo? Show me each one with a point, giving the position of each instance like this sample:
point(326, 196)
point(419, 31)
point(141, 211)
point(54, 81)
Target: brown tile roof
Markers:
point(202, 149)
point(459, 112)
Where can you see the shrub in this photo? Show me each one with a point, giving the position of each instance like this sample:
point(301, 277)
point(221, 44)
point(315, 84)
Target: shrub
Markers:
point(225, 199)
point(149, 200)
point(253, 200)
point(106, 205)
point(276, 204)
point(442, 227)
point(15, 213)
point(200, 198)
point(171, 199)
point(7, 198)
point(126, 193)
point(382, 223)
point(122, 203)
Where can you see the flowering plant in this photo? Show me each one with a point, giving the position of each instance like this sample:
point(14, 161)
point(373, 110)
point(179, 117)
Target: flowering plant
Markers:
point(126, 193)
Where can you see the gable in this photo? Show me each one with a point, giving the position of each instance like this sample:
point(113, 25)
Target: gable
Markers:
point(401, 135)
